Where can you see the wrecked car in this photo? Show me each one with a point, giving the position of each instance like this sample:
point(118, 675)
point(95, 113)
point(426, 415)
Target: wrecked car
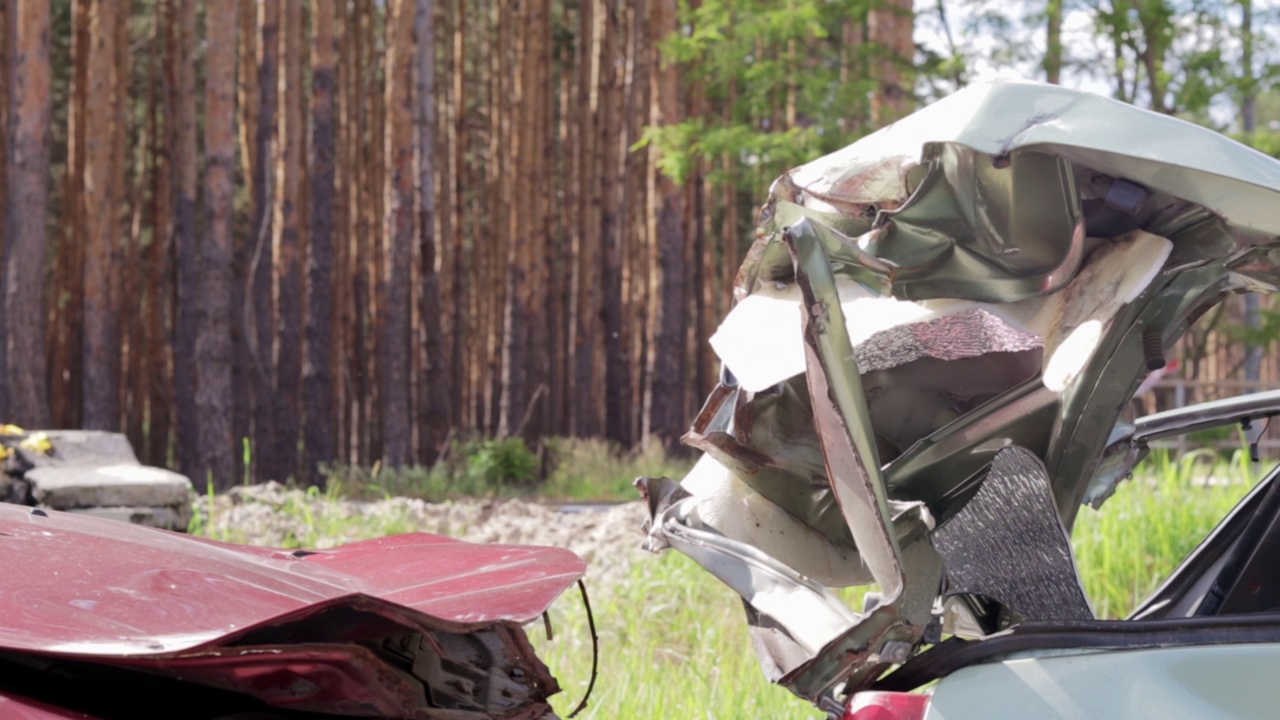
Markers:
point(103, 620)
point(926, 373)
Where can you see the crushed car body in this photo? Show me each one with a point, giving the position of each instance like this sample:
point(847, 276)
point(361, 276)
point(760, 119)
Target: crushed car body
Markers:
point(928, 366)
point(119, 621)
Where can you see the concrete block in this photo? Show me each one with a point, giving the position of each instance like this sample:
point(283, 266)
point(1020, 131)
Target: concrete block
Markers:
point(67, 487)
point(91, 447)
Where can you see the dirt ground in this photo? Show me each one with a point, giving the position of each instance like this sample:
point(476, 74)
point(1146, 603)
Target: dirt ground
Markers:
point(272, 515)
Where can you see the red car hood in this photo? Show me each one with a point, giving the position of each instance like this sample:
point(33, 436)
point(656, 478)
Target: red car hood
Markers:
point(81, 586)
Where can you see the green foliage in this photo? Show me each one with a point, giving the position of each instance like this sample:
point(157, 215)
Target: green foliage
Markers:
point(1264, 142)
point(588, 470)
point(1129, 546)
point(753, 59)
point(594, 470)
point(1262, 335)
point(673, 643)
point(505, 463)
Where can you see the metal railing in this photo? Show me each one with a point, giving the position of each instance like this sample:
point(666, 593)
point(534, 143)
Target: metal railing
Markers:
point(1176, 392)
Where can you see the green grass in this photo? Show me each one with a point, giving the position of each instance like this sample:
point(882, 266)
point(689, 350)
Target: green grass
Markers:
point(568, 469)
point(673, 644)
point(1129, 546)
point(673, 639)
point(592, 469)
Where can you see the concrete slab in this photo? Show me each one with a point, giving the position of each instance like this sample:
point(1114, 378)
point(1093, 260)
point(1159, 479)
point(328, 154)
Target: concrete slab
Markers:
point(67, 487)
point(91, 447)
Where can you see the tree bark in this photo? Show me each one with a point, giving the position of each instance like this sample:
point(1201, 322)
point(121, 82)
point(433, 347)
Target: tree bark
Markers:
point(185, 250)
point(361, 242)
point(585, 307)
point(101, 353)
point(27, 165)
point(614, 199)
point(1053, 42)
point(462, 330)
point(125, 201)
point(319, 439)
point(667, 352)
point(243, 239)
point(397, 234)
point(213, 343)
point(282, 462)
point(376, 173)
point(439, 372)
point(137, 385)
point(515, 322)
point(160, 393)
point(890, 28)
point(258, 316)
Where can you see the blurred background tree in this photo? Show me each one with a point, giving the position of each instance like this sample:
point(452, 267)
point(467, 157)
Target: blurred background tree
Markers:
point(450, 220)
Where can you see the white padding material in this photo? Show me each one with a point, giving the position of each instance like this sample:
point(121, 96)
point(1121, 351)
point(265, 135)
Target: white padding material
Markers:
point(733, 509)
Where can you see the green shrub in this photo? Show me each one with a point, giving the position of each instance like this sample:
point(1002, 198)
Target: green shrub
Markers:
point(594, 469)
point(500, 464)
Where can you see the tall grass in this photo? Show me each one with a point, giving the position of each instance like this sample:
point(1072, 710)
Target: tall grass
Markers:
point(1129, 546)
point(571, 469)
point(673, 644)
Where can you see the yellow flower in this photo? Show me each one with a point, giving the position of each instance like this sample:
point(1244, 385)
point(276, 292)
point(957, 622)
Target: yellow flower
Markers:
point(38, 442)
point(11, 430)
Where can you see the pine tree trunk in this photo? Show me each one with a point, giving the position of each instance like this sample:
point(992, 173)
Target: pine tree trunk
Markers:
point(538, 184)
point(586, 278)
point(463, 333)
point(360, 239)
point(437, 416)
point(160, 396)
point(637, 260)
point(349, 252)
point(27, 166)
point(125, 201)
point(515, 320)
point(282, 463)
point(397, 237)
point(1053, 42)
point(186, 253)
point(138, 387)
point(376, 178)
point(101, 354)
point(216, 449)
point(890, 27)
point(319, 440)
point(613, 181)
point(242, 370)
point(261, 333)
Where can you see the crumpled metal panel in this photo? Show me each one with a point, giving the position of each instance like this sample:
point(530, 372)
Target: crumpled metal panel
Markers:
point(295, 629)
point(1000, 118)
point(109, 588)
point(966, 295)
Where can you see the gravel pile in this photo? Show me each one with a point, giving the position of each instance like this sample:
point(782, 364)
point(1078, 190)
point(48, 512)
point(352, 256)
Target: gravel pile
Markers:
point(273, 515)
